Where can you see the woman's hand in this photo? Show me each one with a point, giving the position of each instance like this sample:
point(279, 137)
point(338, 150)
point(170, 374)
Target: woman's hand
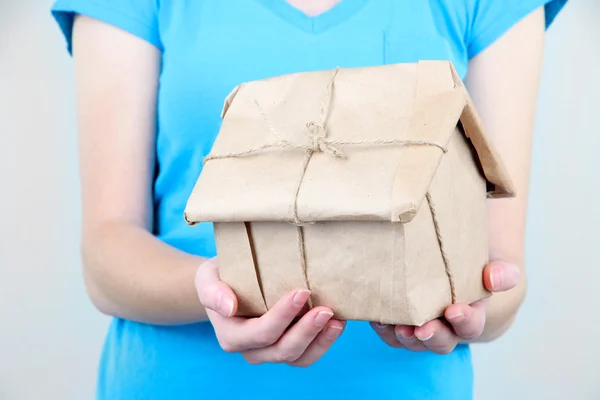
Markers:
point(462, 323)
point(270, 337)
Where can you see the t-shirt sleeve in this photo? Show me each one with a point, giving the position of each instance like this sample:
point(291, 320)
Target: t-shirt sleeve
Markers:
point(138, 17)
point(490, 19)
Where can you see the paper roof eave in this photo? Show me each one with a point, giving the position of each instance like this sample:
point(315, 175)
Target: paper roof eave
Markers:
point(461, 108)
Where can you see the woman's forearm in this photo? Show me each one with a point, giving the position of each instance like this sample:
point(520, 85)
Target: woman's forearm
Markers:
point(506, 233)
point(133, 275)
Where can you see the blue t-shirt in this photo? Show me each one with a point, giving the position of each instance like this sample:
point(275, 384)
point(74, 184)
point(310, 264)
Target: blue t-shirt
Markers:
point(208, 47)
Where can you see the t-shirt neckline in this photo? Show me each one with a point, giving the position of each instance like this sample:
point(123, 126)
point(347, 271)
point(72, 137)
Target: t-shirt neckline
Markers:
point(336, 15)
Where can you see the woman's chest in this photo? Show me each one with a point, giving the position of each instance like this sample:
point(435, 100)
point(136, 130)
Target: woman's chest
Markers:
point(210, 47)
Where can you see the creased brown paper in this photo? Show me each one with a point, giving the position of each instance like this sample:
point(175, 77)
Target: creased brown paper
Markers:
point(366, 185)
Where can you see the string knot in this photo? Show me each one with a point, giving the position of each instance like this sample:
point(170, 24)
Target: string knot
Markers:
point(317, 135)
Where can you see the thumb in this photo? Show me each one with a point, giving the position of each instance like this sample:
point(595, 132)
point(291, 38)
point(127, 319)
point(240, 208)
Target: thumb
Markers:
point(213, 293)
point(500, 276)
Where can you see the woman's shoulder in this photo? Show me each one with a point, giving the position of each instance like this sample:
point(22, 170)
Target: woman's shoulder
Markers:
point(137, 17)
point(476, 24)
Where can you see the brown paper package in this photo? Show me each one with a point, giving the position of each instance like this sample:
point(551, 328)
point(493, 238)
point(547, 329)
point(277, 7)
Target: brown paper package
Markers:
point(369, 186)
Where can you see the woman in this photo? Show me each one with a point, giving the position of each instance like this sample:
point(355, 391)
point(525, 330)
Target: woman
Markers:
point(151, 77)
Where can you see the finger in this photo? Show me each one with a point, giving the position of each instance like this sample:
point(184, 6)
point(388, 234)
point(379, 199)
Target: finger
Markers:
point(212, 293)
point(223, 326)
point(254, 333)
point(437, 337)
point(386, 333)
point(500, 276)
point(468, 322)
point(406, 336)
point(295, 341)
point(321, 344)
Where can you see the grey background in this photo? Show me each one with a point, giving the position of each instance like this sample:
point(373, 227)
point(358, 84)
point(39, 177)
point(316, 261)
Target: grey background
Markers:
point(50, 336)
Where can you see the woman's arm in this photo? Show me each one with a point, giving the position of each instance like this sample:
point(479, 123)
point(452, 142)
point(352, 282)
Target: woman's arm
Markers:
point(128, 272)
point(503, 81)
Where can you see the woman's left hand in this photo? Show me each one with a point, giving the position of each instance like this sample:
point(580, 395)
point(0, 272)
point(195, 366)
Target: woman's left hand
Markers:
point(462, 322)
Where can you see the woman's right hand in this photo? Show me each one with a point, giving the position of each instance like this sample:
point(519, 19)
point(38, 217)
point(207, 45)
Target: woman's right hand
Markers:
point(269, 338)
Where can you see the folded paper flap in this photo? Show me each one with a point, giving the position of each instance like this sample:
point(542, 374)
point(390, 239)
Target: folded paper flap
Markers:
point(277, 156)
point(491, 163)
point(229, 99)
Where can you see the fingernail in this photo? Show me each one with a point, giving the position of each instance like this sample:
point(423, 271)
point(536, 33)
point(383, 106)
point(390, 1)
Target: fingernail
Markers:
point(300, 297)
point(427, 338)
point(333, 332)
point(225, 304)
point(322, 318)
point(457, 317)
point(497, 277)
point(402, 335)
point(380, 326)
point(504, 276)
